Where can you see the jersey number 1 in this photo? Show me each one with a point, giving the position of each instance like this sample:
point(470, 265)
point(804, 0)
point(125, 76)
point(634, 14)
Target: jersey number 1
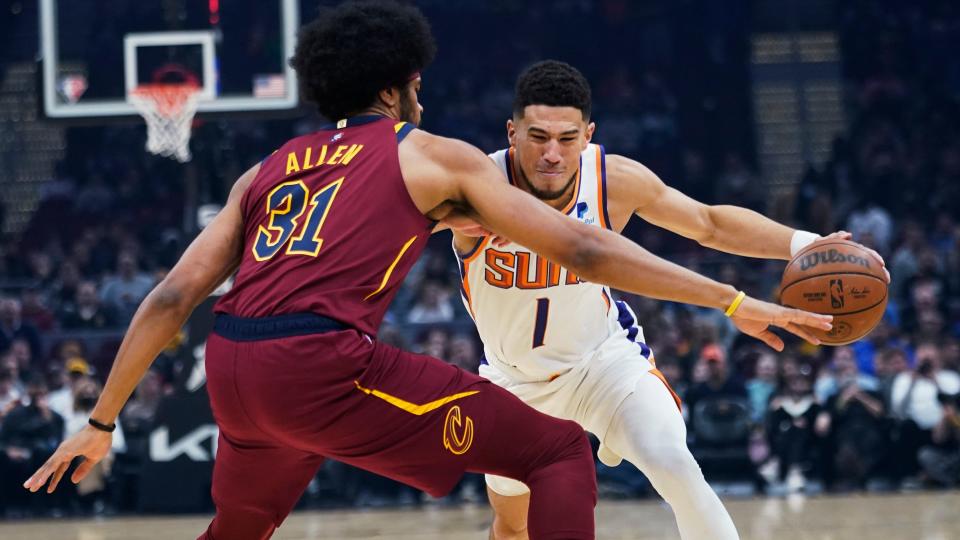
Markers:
point(286, 204)
point(540, 325)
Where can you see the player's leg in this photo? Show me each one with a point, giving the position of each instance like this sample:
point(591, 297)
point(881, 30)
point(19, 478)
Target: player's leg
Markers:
point(475, 426)
point(550, 456)
point(255, 486)
point(509, 515)
point(649, 431)
point(256, 479)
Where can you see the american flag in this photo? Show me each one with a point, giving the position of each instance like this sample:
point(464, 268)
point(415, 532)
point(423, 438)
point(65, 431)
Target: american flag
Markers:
point(269, 86)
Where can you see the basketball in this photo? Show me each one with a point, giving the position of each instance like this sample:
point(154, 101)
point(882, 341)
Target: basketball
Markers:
point(840, 278)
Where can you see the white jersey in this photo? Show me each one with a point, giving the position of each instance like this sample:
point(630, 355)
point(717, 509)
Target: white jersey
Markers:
point(538, 320)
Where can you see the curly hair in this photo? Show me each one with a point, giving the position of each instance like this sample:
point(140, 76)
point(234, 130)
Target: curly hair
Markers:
point(552, 83)
point(354, 50)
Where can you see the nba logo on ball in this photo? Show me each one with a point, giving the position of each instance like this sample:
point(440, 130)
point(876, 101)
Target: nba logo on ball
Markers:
point(836, 293)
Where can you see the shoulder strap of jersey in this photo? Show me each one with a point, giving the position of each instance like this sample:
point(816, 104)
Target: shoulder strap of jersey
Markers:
point(403, 129)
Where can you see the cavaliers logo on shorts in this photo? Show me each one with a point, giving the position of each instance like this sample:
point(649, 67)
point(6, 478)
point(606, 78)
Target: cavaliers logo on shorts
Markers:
point(457, 431)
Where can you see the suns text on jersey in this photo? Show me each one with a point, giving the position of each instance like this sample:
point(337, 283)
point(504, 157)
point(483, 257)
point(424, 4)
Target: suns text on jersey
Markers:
point(505, 269)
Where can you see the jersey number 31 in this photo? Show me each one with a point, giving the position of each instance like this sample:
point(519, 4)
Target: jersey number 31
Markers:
point(286, 205)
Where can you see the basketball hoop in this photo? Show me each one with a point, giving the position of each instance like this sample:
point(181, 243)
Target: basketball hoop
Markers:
point(168, 109)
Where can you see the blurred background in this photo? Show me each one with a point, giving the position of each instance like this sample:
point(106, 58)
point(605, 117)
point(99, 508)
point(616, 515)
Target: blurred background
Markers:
point(824, 115)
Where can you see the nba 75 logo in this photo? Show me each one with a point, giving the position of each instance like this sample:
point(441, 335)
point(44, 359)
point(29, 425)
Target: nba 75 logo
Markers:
point(836, 293)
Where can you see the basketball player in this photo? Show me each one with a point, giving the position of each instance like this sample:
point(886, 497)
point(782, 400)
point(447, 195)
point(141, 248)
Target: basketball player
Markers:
point(559, 341)
point(321, 234)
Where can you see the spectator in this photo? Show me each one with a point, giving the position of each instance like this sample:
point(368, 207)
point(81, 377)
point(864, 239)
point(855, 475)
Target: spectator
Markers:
point(61, 399)
point(12, 327)
point(462, 352)
point(719, 383)
point(9, 395)
point(124, 291)
point(762, 386)
point(888, 364)
point(432, 306)
point(30, 433)
point(941, 460)
point(35, 310)
point(86, 392)
point(790, 431)
point(917, 409)
point(19, 353)
point(843, 369)
point(434, 343)
point(854, 423)
point(88, 312)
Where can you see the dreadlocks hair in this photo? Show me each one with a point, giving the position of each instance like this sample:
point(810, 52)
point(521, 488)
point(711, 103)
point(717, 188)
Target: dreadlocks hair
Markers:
point(552, 83)
point(358, 48)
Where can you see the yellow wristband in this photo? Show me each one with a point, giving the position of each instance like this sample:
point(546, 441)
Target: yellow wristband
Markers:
point(735, 304)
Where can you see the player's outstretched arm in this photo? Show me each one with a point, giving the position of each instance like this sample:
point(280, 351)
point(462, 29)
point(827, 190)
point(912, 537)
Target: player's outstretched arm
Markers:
point(209, 260)
point(468, 178)
point(731, 229)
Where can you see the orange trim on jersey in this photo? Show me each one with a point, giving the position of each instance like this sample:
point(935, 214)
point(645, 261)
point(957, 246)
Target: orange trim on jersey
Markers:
point(602, 212)
point(606, 298)
point(474, 251)
point(576, 193)
point(656, 372)
point(466, 287)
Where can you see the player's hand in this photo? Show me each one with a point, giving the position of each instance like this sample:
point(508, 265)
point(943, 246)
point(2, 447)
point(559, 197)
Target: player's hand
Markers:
point(464, 224)
point(467, 225)
point(755, 317)
point(844, 235)
point(89, 443)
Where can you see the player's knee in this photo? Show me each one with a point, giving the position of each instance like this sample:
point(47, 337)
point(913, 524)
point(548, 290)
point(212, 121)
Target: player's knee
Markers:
point(671, 460)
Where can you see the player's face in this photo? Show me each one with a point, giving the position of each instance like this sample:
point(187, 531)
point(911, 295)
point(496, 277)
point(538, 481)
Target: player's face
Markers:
point(548, 142)
point(410, 108)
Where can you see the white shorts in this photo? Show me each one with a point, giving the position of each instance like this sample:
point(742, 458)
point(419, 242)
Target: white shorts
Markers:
point(588, 394)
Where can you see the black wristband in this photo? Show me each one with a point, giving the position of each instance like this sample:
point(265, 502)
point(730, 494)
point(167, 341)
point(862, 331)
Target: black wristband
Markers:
point(101, 426)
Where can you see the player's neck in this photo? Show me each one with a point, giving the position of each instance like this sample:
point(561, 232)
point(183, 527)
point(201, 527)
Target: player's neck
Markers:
point(380, 110)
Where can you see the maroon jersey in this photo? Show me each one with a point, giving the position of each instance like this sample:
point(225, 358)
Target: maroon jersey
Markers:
point(329, 227)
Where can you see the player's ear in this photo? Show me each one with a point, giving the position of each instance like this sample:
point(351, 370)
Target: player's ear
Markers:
point(511, 132)
point(588, 134)
point(390, 96)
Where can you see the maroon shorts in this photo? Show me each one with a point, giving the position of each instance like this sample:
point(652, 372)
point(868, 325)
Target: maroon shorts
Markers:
point(284, 403)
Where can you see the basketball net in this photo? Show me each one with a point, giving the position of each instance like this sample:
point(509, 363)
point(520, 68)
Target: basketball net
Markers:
point(168, 109)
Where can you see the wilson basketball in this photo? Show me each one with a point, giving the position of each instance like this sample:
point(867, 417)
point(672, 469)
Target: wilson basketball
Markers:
point(839, 278)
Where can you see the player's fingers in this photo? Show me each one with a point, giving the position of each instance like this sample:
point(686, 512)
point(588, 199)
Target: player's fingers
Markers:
point(880, 260)
point(61, 469)
point(802, 333)
point(40, 477)
point(772, 340)
point(82, 470)
point(805, 318)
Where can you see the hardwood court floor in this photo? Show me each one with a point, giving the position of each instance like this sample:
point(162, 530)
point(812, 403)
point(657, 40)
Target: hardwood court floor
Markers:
point(926, 516)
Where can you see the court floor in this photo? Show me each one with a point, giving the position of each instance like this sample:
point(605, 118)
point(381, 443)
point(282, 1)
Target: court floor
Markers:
point(924, 516)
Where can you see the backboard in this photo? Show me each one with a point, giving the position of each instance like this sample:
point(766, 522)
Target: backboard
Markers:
point(96, 53)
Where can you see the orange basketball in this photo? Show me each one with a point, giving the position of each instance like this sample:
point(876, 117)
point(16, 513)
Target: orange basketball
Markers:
point(839, 278)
